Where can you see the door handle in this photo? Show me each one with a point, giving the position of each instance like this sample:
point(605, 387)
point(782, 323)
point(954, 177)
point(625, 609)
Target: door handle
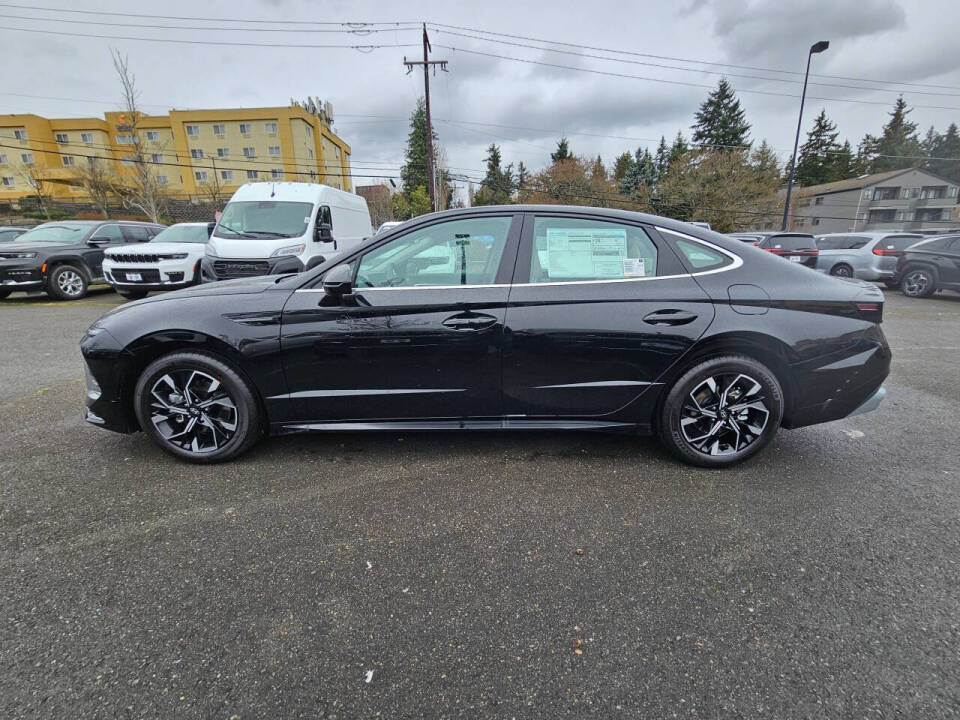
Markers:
point(469, 321)
point(670, 317)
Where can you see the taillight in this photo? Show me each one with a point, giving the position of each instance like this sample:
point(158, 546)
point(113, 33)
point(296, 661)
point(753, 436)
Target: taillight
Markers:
point(871, 311)
point(887, 252)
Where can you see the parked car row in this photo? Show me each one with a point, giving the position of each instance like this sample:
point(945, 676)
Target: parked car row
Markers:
point(919, 265)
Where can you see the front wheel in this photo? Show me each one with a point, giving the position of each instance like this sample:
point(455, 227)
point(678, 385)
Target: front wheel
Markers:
point(918, 282)
point(197, 407)
point(66, 282)
point(721, 411)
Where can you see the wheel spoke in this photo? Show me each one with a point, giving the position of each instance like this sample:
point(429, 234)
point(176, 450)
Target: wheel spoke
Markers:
point(192, 411)
point(724, 414)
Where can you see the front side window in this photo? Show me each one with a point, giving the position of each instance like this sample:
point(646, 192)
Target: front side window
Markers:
point(448, 254)
point(264, 219)
point(572, 249)
point(109, 232)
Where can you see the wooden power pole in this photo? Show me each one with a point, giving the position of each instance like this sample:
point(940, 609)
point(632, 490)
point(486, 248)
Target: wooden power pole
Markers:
point(427, 63)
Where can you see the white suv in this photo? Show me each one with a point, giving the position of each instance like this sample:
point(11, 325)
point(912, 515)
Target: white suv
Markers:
point(171, 260)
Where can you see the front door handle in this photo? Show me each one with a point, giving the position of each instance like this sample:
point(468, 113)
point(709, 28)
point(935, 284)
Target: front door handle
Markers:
point(670, 317)
point(469, 321)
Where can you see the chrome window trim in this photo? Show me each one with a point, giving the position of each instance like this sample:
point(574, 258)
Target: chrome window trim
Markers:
point(737, 262)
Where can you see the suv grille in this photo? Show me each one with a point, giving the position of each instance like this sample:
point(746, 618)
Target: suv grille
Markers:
point(137, 257)
point(147, 275)
point(226, 269)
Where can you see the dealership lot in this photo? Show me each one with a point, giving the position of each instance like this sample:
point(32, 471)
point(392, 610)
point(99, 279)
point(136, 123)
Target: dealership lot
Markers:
point(495, 575)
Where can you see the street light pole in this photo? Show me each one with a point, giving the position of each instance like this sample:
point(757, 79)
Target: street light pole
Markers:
point(817, 47)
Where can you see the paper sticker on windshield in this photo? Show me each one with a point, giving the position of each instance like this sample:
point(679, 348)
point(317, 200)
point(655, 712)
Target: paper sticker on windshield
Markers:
point(586, 252)
point(306, 220)
point(634, 267)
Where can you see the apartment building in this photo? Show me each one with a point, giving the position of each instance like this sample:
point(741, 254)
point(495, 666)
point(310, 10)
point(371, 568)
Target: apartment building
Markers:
point(911, 199)
point(191, 152)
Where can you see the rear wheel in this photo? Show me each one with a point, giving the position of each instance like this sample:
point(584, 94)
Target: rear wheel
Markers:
point(721, 411)
point(918, 282)
point(841, 270)
point(66, 282)
point(197, 407)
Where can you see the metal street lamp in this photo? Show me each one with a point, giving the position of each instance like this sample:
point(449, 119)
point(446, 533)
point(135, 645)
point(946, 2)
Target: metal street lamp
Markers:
point(817, 47)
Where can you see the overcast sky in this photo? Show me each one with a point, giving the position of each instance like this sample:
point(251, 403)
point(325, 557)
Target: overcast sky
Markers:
point(521, 106)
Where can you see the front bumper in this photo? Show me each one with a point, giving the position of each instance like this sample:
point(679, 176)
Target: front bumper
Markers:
point(20, 275)
point(165, 275)
point(105, 367)
point(214, 269)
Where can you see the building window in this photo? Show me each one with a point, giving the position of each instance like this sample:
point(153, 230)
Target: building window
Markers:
point(274, 150)
point(252, 174)
point(20, 134)
point(124, 139)
point(908, 215)
point(244, 129)
point(815, 221)
point(219, 129)
point(86, 137)
point(249, 152)
point(226, 174)
point(63, 138)
point(270, 128)
point(818, 201)
point(937, 192)
point(8, 182)
point(931, 215)
point(882, 216)
point(196, 153)
point(193, 130)
point(3, 159)
point(276, 174)
point(223, 152)
point(156, 157)
point(200, 175)
point(886, 193)
point(953, 191)
point(69, 161)
point(162, 180)
point(26, 158)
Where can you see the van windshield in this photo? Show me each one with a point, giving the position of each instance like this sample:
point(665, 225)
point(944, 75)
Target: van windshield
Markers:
point(263, 219)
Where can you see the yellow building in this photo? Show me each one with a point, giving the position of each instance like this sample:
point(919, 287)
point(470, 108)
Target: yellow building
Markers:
point(191, 152)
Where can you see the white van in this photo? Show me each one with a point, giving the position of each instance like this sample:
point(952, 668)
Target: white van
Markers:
point(269, 228)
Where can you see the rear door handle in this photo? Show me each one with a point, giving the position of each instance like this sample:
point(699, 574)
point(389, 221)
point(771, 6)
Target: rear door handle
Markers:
point(670, 317)
point(469, 321)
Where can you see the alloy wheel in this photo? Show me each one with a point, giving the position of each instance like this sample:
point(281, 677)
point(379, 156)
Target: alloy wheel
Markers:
point(842, 271)
point(70, 283)
point(192, 411)
point(916, 282)
point(724, 414)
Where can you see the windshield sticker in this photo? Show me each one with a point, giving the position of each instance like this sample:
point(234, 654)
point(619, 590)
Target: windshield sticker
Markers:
point(586, 252)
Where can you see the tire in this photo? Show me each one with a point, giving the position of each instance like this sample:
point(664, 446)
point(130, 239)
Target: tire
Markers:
point(689, 431)
point(841, 270)
point(132, 294)
point(5, 294)
point(196, 379)
point(918, 282)
point(67, 282)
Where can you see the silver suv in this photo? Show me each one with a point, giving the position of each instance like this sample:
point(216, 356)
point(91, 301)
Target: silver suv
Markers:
point(864, 255)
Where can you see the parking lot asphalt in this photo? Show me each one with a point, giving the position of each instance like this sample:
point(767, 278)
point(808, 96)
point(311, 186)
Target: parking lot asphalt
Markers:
point(483, 575)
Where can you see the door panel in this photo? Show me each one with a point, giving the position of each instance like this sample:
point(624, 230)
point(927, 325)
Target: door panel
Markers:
point(574, 349)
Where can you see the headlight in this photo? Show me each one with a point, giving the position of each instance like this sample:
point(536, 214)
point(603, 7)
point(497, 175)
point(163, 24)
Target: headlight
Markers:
point(209, 251)
point(177, 256)
point(289, 250)
point(13, 255)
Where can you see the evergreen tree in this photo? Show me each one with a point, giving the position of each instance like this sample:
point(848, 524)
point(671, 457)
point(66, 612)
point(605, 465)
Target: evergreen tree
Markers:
point(563, 151)
point(720, 121)
point(678, 149)
point(497, 183)
point(642, 173)
point(898, 147)
point(764, 159)
point(415, 172)
point(662, 158)
point(845, 164)
point(819, 155)
point(945, 154)
point(621, 166)
point(598, 171)
point(523, 181)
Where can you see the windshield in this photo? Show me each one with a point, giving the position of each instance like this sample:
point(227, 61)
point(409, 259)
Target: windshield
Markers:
point(66, 234)
point(264, 219)
point(183, 234)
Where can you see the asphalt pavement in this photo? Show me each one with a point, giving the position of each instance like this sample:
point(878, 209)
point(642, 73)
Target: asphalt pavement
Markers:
point(483, 575)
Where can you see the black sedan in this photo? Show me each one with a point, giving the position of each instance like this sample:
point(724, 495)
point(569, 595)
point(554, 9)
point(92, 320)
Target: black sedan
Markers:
point(518, 317)
point(928, 266)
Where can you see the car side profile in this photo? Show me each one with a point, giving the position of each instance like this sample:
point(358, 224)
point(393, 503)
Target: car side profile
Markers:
point(63, 258)
point(508, 318)
point(928, 266)
point(864, 255)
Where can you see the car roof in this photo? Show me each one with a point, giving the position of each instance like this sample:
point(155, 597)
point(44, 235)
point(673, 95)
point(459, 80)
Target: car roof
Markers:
point(870, 234)
point(96, 223)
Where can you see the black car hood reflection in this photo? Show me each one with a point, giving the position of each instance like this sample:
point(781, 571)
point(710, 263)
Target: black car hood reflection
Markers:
point(241, 286)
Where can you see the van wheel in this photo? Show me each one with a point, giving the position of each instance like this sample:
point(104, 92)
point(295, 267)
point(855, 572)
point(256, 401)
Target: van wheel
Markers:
point(721, 411)
point(66, 282)
point(197, 407)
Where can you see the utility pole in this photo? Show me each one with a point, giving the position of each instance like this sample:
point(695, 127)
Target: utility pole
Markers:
point(427, 63)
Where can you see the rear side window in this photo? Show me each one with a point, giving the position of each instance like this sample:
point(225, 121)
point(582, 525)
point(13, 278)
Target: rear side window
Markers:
point(574, 249)
point(842, 242)
point(700, 257)
point(899, 242)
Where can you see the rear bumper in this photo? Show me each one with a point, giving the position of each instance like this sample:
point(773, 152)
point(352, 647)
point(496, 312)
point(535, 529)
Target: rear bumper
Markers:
point(871, 403)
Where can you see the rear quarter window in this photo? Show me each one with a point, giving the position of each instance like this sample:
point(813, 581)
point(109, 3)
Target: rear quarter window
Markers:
point(700, 257)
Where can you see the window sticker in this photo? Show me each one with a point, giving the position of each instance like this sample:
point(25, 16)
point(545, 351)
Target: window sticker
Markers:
point(634, 267)
point(586, 252)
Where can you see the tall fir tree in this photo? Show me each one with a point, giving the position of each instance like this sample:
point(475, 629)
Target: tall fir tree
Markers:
point(415, 172)
point(562, 152)
point(497, 183)
point(819, 155)
point(944, 155)
point(642, 173)
point(523, 181)
point(678, 149)
point(898, 146)
point(621, 166)
point(662, 158)
point(721, 122)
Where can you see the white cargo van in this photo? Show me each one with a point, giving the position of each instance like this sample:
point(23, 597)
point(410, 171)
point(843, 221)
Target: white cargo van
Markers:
point(269, 228)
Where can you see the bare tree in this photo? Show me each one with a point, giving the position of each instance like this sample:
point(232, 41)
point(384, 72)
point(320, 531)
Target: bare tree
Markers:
point(33, 177)
point(141, 190)
point(98, 180)
point(213, 190)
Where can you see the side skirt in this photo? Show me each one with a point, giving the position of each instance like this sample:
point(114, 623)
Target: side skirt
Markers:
point(454, 425)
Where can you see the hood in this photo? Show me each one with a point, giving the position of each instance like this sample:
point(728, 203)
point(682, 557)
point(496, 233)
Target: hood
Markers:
point(32, 247)
point(157, 248)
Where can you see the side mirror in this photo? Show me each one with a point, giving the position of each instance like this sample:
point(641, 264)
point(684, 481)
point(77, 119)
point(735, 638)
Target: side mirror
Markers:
point(338, 281)
point(98, 242)
point(323, 233)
